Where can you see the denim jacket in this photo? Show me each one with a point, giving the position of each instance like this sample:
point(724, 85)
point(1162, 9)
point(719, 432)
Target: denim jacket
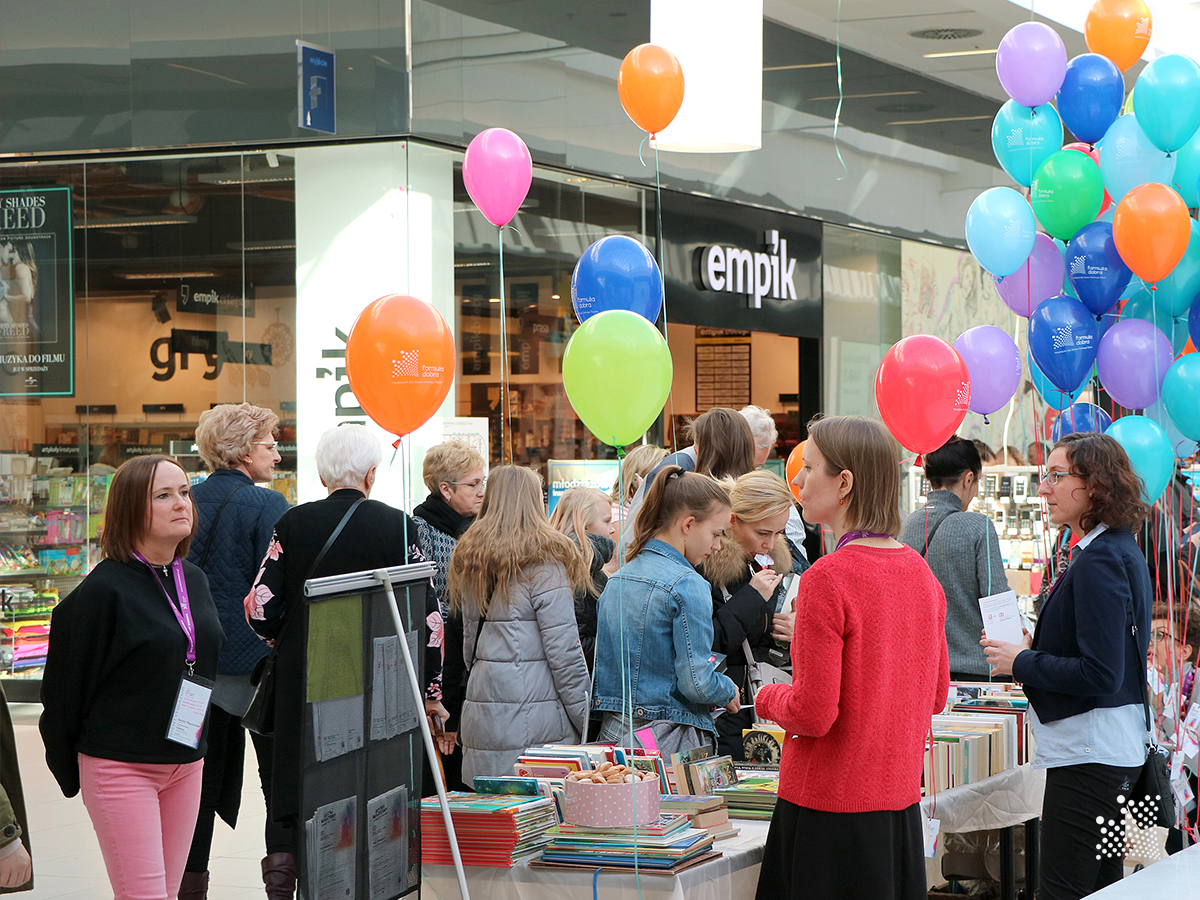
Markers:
point(668, 635)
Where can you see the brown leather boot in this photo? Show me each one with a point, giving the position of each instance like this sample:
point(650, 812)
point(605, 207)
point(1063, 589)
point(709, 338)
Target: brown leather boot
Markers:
point(279, 876)
point(194, 886)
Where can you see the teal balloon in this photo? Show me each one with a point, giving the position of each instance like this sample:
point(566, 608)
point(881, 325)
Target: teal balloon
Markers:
point(1067, 287)
point(1177, 291)
point(617, 374)
point(1052, 396)
point(1022, 138)
point(1180, 443)
point(1187, 171)
point(1167, 101)
point(1181, 395)
point(1149, 451)
point(1147, 305)
point(1128, 158)
point(1000, 230)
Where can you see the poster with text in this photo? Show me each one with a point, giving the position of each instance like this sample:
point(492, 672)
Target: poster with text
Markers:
point(37, 304)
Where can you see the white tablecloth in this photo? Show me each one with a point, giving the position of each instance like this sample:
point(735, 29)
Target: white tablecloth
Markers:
point(734, 876)
point(1010, 798)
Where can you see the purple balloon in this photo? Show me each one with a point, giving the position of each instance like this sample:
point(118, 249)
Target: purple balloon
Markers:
point(994, 363)
point(1039, 277)
point(1031, 63)
point(1132, 361)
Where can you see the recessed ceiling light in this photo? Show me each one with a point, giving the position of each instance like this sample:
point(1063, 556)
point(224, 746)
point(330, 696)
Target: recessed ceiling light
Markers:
point(945, 34)
point(991, 52)
point(904, 107)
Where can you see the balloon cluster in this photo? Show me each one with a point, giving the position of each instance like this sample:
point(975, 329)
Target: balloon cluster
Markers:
point(1100, 253)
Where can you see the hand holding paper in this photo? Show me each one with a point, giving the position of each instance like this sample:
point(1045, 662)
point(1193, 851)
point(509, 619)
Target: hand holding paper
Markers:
point(1004, 635)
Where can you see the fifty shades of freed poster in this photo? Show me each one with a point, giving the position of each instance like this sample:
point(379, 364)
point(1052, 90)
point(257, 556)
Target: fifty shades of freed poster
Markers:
point(37, 304)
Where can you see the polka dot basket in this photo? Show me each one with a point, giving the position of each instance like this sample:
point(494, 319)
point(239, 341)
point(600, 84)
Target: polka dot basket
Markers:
point(611, 805)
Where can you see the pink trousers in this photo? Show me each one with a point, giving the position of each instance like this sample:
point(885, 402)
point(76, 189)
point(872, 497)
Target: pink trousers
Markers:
point(144, 815)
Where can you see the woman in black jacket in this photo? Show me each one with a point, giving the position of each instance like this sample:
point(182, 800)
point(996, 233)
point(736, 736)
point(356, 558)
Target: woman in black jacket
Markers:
point(140, 633)
point(747, 576)
point(1084, 667)
point(376, 536)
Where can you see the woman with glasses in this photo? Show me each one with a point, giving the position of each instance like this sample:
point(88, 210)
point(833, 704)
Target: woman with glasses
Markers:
point(1084, 667)
point(1174, 687)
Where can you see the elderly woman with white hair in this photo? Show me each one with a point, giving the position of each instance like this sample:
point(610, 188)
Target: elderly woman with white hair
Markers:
point(366, 534)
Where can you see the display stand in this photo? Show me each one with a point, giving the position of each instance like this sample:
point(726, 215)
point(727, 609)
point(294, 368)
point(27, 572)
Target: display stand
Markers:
point(365, 736)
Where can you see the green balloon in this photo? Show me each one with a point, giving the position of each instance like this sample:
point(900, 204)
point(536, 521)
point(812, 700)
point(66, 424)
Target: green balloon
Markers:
point(617, 373)
point(1066, 193)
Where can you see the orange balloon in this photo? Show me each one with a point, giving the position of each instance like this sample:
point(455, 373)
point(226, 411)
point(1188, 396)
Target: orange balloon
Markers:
point(400, 360)
point(1151, 229)
point(650, 85)
point(1118, 29)
point(1189, 347)
point(795, 462)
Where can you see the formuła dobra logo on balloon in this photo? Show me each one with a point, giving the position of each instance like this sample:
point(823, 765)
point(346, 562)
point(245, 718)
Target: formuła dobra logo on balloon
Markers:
point(407, 369)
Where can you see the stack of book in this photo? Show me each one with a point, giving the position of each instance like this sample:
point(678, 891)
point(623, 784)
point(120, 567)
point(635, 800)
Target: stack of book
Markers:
point(706, 811)
point(492, 830)
point(753, 797)
point(985, 733)
point(668, 845)
point(698, 772)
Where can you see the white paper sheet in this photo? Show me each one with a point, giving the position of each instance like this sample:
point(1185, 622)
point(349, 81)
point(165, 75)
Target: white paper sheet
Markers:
point(1001, 617)
point(337, 726)
point(334, 846)
point(387, 848)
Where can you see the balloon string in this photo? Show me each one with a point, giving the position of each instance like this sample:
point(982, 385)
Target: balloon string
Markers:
point(837, 115)
point(506, 415)
point(662, 272)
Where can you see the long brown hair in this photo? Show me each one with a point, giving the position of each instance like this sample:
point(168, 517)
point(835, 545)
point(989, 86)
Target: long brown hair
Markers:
point(511, 534)
point(572, 513)
point(675, 493)
point(1115, 489)
point(724, 443)
point(128, 510)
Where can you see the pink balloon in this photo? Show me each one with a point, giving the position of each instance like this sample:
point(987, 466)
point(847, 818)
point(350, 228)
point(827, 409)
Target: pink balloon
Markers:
point(1039, 277)
point(497, 171)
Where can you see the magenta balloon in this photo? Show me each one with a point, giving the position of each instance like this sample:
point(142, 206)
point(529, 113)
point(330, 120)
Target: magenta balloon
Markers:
point(994, 362)
point(1032, 63)
point(1039, 277)
point(1132, 362)
point(497, 171)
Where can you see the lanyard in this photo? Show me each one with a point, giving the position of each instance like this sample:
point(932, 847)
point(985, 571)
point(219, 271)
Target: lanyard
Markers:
point(855, 535)
point(183, 612)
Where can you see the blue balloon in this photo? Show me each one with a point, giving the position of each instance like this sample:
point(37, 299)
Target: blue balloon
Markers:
point(1193, 322)
point(1128, 158)
point(1022, 138)
point(1000, 230)
point(1080, 417)
point(1063, 339)
point(1052, 396)
point(617, 272)
point(1187, 171)
point(1091, 96)
point(1146, 305)
point(1095, 268)
point(1182, 446)
point(1176, 292)
point(1149, 451)
point(1166, 101)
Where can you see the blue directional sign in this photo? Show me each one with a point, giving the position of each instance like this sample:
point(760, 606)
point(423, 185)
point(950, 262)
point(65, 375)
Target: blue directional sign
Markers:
point(314, 88)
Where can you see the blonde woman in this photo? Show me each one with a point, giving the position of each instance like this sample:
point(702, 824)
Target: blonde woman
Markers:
point(637, 465)
point(513, 580)
point(586, 512)
point(746, 593)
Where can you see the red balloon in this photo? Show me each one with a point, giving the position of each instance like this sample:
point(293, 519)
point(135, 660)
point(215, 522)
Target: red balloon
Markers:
point(795, 462)
point(1092, 153)
point(923, 391)
point(400, 359)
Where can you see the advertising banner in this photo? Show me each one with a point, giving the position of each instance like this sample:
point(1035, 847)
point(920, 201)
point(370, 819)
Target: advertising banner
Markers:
point(565, 474)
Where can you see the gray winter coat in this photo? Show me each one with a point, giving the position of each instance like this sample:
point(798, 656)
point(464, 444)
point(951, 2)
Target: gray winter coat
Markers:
point(529, 684)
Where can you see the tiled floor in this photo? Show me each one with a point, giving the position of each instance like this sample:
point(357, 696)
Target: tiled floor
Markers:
point(66, 858)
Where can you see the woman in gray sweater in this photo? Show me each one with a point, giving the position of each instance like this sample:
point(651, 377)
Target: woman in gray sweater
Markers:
point(962, 549)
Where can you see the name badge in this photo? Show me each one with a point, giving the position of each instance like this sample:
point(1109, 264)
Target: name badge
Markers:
point(191, 709)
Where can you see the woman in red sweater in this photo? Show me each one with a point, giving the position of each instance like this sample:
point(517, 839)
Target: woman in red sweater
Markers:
point(869, 669)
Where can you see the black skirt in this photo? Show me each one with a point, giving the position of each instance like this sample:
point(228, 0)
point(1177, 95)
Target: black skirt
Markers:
point(843, 856)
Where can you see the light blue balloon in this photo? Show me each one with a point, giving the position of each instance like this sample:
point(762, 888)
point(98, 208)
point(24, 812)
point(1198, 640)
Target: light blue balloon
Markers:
point(1181, 397)
point(1167, 101)
point(1052, 396)
point(1187, 171)
point(1149, 451)
point(1177, 291)
point(1147, 305)
point(1067, 288)
point(1108, 214)
point(1128, 158)
point(1022, 138)
point(1001, 230)
point(1182, 446)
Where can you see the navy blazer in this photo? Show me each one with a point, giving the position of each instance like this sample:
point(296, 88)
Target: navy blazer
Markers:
point(1082, 657)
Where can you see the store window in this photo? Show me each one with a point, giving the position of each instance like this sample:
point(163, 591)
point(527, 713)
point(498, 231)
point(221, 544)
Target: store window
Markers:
point(138, 293)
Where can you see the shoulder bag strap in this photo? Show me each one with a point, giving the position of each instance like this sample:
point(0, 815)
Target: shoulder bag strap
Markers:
point(334, 536)
point(212, 528)
point(929, 536)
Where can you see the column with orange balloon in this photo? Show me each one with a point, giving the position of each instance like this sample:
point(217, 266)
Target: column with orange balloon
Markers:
point(400, 360)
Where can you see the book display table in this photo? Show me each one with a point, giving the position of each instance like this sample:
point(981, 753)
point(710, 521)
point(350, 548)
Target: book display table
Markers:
point(733, 876)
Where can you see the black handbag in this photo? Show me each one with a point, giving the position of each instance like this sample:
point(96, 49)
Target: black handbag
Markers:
point(260, 715)
point(1151, 799)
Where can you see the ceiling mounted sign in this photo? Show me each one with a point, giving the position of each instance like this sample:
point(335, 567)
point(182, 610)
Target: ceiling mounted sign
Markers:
point(719, 46)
